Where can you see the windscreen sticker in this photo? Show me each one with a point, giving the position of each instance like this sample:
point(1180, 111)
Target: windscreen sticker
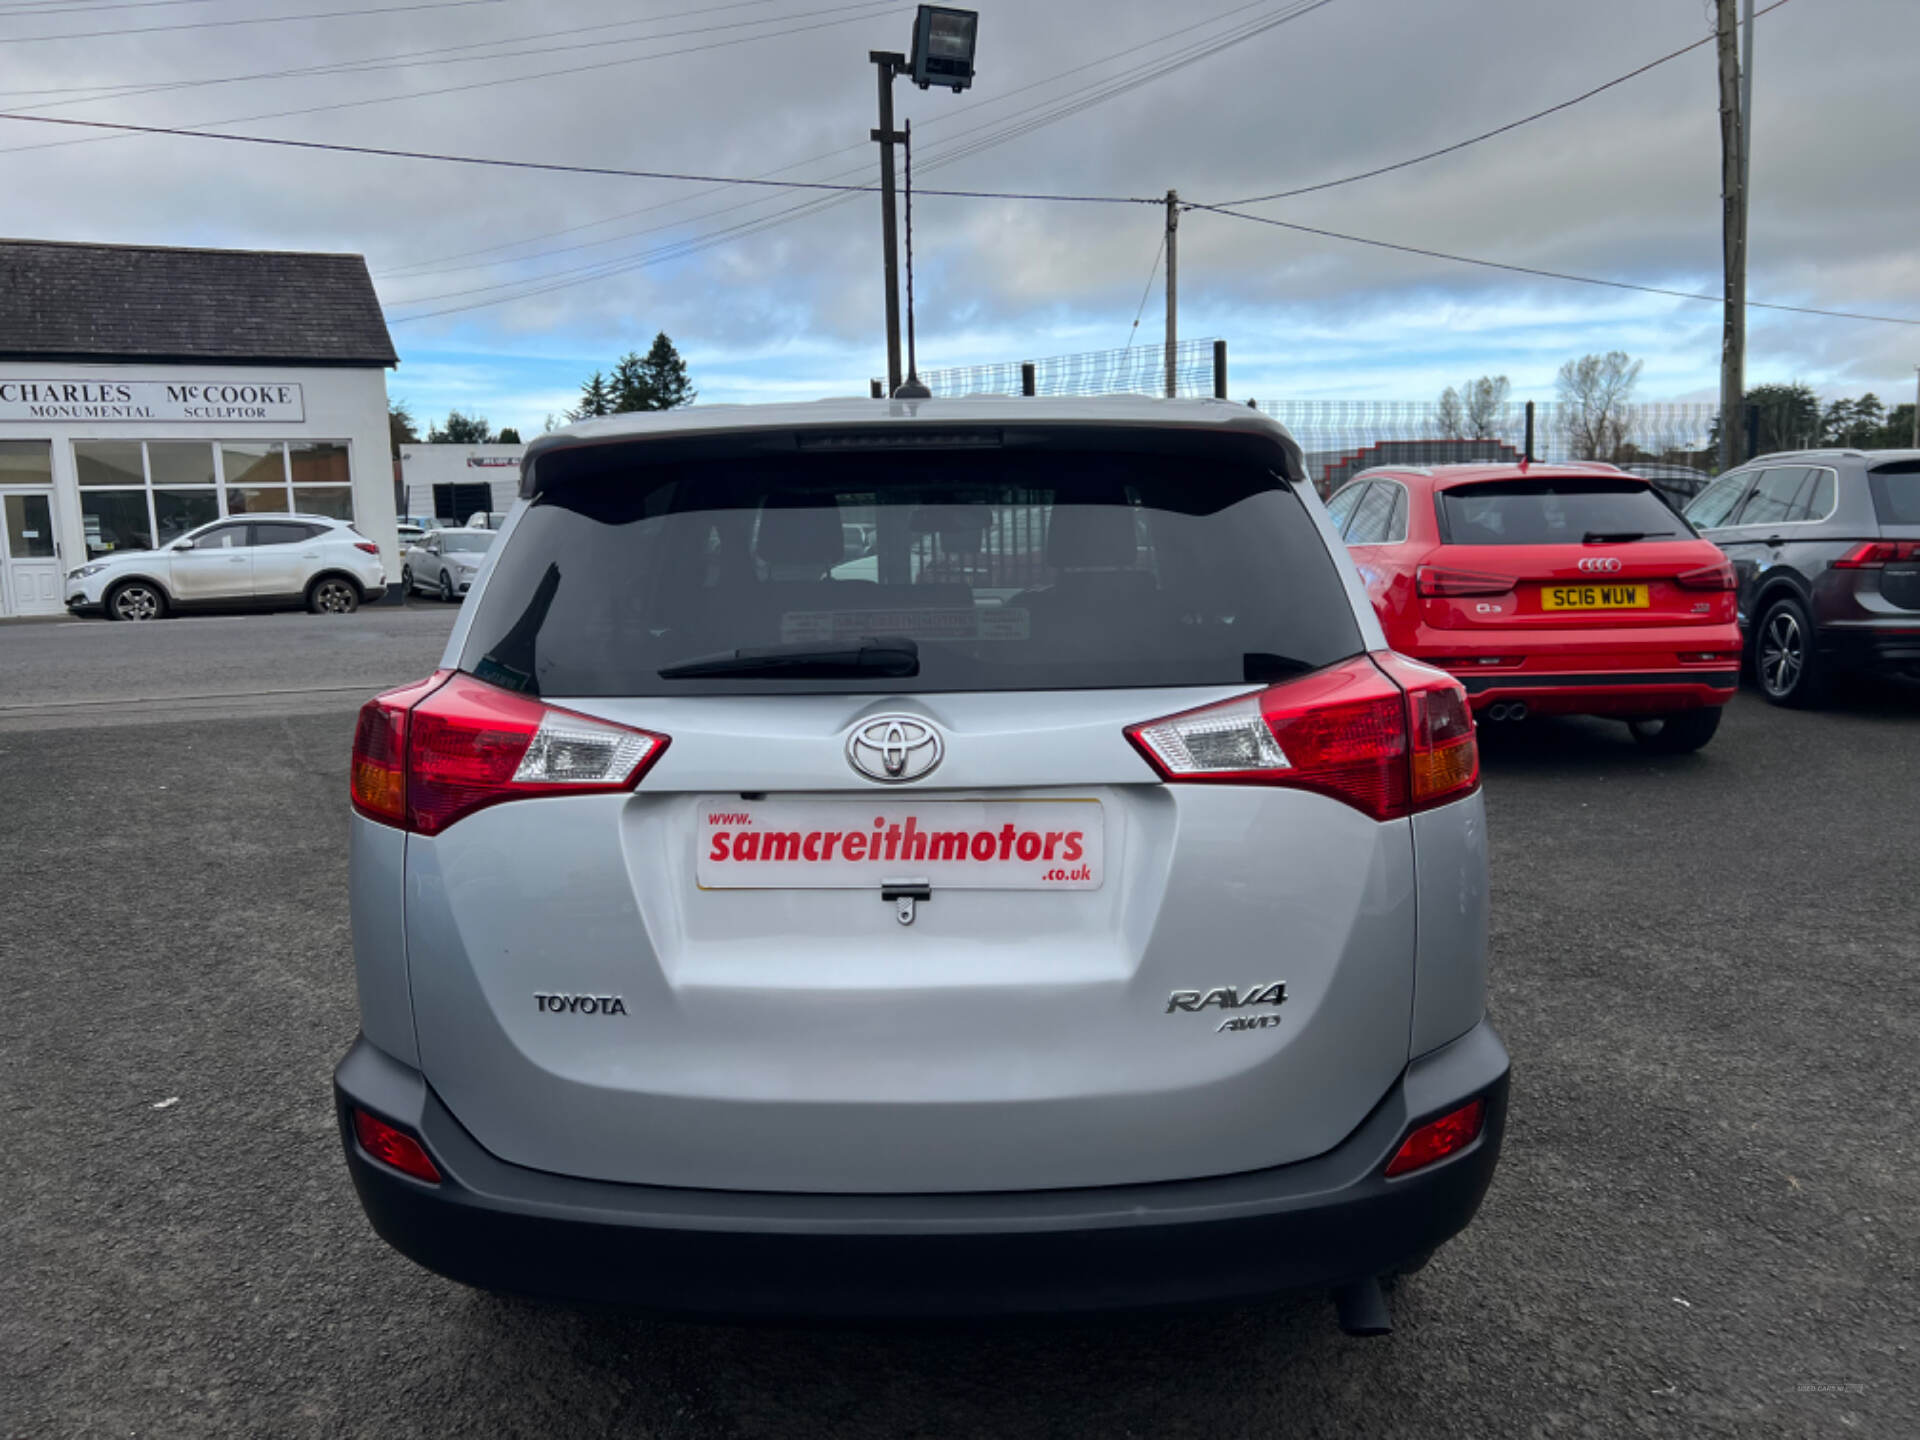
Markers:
point(965, 845)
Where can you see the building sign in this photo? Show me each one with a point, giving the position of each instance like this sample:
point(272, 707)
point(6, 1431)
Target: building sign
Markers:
point(488, 462)
point(151, 400)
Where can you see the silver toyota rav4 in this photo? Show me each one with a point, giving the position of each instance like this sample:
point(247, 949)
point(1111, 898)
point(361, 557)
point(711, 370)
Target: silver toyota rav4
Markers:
point(921, 857)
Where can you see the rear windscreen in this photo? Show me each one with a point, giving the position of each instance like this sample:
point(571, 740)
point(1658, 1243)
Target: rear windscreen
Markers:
point(1896, 492)
point(892, 572)
point(1555, 510)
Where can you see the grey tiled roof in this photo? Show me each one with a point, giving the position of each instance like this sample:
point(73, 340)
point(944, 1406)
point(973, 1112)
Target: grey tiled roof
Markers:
point(62, 301)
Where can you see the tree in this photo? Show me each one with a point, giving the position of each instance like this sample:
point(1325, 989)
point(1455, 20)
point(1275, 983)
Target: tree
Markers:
point(1594, 392)
point(507, 436)
point(1788, 417)
point(461, 430)
point(666, 376)
point(1486, 398)
point(400, 426)
point(596, 399)
point(630, 386)
point(1450, 417)
point(1853, 422)
point(1897, 433)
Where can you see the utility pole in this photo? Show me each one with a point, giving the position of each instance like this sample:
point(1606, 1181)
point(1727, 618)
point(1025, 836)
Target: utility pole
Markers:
point(1173, 289)
point(1733, 237)
point(887, 64)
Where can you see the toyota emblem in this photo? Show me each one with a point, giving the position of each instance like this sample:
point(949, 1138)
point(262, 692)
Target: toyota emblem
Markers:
point(1599, 565)
point(894, 748)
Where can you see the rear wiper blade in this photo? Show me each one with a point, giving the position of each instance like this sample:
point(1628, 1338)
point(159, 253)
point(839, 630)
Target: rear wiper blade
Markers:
point(891, 656)
point(1604, 537)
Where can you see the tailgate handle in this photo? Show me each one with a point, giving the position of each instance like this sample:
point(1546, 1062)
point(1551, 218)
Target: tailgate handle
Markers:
point(905, 894)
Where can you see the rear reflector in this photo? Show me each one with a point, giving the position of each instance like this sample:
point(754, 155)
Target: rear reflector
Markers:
point(1718, 576)
point(1431, 580)
point(1440, 1138)
point(394, 1147)
point(1872, 554)
point(428, 755)
point(1379, 733)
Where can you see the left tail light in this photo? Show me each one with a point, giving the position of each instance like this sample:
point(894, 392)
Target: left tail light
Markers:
point(429, 754)
point(1718, 576)
point(366, 545)
point(1873, 554)
point(1379, 733)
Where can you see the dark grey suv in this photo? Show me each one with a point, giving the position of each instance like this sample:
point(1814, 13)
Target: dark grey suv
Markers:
point(1826, 548)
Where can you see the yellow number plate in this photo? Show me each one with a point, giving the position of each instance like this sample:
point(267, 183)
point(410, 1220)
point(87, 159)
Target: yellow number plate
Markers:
point(1593, 597)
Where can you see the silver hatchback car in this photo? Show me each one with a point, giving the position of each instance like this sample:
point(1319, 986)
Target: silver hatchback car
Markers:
point(1057, 897)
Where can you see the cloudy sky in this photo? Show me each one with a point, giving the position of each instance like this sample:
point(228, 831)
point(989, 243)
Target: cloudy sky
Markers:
point(504, 288)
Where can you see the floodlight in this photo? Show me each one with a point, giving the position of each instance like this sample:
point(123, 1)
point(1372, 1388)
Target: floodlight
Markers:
point(943, 41)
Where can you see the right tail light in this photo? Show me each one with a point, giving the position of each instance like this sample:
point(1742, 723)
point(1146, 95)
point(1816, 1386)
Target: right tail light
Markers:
point(1378, 732)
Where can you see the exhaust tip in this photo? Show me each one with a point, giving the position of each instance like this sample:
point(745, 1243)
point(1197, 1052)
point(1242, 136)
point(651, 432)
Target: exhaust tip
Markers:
point(1362, 1309)
point(1517, 710)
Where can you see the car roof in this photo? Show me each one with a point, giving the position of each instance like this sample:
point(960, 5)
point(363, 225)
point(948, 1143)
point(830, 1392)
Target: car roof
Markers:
point(283, 515)
point(1445, 477)
point(1093, 412)
point(461, 530)
point(1872, 457)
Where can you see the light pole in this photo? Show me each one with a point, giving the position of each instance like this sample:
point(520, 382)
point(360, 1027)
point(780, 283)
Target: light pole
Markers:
point(943, 46)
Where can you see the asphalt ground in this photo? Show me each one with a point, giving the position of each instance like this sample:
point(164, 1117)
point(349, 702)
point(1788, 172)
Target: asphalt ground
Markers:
point(1705, 1222)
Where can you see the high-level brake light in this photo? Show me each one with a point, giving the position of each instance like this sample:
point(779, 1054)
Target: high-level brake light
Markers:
point(429, 754)
point(1380, 733)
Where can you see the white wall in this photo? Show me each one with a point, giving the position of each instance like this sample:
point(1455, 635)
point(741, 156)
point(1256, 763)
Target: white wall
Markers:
point(340, 404)
point(424, 466)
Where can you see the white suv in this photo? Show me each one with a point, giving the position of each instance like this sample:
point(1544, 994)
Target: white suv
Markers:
point(1077, 905)
point(242, 562)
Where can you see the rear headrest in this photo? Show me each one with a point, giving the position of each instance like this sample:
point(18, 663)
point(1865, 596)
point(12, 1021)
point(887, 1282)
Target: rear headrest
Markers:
point(1091, 537)
point(799, 530)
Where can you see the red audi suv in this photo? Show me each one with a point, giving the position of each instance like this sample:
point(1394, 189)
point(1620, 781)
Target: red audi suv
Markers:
point(1569, 589)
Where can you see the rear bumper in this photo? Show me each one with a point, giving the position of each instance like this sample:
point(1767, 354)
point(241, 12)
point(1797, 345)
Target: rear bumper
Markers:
point(1623, 671)
point(1627, 692)
point(1874, 646)
point(1316, 1223)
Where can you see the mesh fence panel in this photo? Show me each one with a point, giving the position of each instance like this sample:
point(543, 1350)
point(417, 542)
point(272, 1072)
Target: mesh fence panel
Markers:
point(1344, 437)
point(1136, 370)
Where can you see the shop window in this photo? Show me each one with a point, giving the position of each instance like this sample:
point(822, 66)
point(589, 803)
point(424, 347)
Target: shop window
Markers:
point(26, 462)
point(115, 520)
point(29, 526)
point(319, 462)
point(108, 462)
point(178, 511)
point(333, 501)
point(256, 478)
point(175, 464)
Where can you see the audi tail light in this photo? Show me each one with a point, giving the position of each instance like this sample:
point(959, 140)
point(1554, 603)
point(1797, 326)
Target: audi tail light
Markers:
point(1437, 1139)
point(427, 755)
point(1718, 576)
point(1872, 554)
point(1435, 581)
point(1379, 733)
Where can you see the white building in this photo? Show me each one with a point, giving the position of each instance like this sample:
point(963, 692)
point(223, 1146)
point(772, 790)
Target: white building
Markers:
point(444, 484)
point(145, 390)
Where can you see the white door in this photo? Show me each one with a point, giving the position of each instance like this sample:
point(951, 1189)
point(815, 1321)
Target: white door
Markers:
point(217, 566)
point(29, 554)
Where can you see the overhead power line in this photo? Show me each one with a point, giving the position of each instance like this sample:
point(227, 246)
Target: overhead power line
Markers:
point(561, 167)
point(866, 9)
point(246, 20)
point(1545, 274)
point(946, 116)
point(1496, 131)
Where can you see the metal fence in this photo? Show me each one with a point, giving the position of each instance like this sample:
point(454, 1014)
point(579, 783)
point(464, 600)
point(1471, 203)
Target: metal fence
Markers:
point(1342, 437)
point(1199, 366)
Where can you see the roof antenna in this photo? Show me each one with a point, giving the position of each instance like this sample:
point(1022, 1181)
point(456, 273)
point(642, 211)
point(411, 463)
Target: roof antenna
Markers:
point(913, 387)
